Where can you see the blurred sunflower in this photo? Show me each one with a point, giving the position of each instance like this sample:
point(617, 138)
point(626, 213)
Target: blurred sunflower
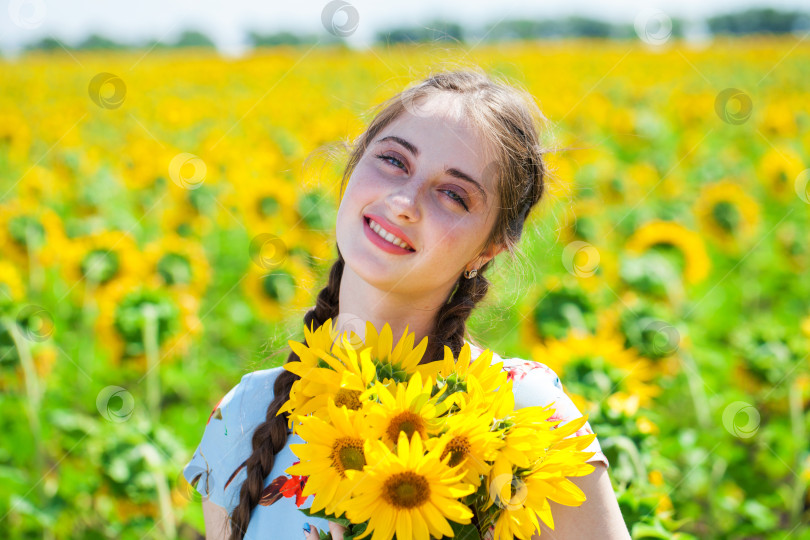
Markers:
point(688, 243)
point(284, 288)
point(555, 309)
point(266, 204)
point(142, 162)
point(30, 230)
point(778, 170)
point(121, 324)
point(12, 288)
point(408, 492)
point(727, 214)
point(181, 218)
point(176, 262)
point(100, 260)
point(596, 364)
point(332, 447)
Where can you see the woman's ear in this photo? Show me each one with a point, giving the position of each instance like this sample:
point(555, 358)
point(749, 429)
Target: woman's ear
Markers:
point(491, 252)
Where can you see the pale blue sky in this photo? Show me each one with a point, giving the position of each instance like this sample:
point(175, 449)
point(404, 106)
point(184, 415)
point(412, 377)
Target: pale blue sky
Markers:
point(227, 22)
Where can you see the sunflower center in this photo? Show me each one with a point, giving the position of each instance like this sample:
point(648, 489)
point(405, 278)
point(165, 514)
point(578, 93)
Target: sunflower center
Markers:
point(458, 448)
point(268, 206)
point(100, 265)
point(280, 286)
point(406, 490)
point(726, 216)
point(408, 422)
point(347, 453)
point(348, 398)
point(174, 269)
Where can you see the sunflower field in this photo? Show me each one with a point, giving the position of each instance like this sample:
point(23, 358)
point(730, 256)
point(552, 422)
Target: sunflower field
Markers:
point(167, 218)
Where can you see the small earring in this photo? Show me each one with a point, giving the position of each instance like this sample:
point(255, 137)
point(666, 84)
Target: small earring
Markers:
point(471, 273)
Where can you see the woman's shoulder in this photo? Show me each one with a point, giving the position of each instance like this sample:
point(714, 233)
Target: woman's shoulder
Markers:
point(227, 436)
point(536, 384)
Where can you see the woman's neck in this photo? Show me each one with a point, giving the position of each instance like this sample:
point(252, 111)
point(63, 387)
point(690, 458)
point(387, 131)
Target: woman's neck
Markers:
point(360, 302)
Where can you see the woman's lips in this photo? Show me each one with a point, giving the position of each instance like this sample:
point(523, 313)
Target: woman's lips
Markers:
point(381, 242)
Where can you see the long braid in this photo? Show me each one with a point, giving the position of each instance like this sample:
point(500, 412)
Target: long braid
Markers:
point(451, 320)
point(270, 437)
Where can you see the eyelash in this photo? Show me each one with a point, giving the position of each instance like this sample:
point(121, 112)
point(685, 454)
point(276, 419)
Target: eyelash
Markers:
point(460, 199)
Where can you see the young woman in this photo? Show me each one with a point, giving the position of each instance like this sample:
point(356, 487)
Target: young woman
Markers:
point(441, 181)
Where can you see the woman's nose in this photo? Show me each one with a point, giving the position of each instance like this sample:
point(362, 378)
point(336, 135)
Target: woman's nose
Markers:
point(406, 200)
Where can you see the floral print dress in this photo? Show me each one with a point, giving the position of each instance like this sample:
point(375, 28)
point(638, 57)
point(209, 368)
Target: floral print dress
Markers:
point(217, 468)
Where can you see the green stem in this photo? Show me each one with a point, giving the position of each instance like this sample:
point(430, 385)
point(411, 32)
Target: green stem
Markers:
point(797, 429)
point(150, 345)
point(32, 391)
point(696, 383)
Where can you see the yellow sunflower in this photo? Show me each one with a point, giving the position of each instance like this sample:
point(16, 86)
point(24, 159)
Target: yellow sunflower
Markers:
point(120, 325)
point(181, 218)
point(472, 442)
point(522, 488)
point(727, 214)
point(98, 261)
point(178, 262)
point(409, 493)
point(779, 169)
point(410, 408)
point(332, 447)
point(28, 230)
point(604, 358)
point(456, 371)
point(12, 288)
point(393, 362)
point(689, 243)
point(327, 374)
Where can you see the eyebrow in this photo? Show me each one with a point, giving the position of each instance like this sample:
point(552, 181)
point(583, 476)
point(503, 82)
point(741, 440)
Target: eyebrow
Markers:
point(452, 171)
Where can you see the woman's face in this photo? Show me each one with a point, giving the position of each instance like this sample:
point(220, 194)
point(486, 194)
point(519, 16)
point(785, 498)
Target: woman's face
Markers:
point(425, 178)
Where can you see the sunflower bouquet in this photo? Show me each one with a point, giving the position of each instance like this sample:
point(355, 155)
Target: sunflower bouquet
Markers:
point(393, 447)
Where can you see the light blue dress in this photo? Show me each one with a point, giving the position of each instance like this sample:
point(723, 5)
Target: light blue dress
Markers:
point(216, 469)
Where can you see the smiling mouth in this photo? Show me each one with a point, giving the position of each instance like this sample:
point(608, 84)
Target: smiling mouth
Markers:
point(388, 237)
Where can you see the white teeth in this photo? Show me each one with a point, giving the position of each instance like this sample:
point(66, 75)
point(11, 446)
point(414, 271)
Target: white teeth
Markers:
point(387, 235)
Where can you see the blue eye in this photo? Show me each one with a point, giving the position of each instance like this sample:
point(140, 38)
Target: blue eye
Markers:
point(385, 158)
point(458, 198)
